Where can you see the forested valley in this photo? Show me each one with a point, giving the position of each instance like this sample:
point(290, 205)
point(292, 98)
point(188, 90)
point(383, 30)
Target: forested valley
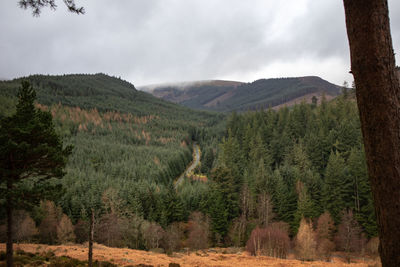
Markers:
point(273, 181)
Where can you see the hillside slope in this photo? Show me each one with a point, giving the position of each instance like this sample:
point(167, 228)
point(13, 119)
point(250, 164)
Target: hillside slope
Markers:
point(229, 96)
point(98, 91)
point(126, 142)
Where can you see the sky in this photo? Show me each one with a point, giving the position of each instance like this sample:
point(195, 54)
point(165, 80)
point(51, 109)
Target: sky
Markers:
point(158, 41)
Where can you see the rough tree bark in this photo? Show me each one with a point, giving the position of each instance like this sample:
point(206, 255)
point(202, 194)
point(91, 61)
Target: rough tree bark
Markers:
point(378, 99)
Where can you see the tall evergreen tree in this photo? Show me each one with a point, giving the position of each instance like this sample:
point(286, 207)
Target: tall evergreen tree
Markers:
point(224, 200)
point(363, 204)
point(173, 210)
point(31, 153)
point(305, 205)
point(337, 189)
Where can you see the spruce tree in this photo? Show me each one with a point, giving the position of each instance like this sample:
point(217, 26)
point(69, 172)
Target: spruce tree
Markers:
point(337, 189)
point(224, 200)
point(305, 205)
point(173, 210)
point(362, 196)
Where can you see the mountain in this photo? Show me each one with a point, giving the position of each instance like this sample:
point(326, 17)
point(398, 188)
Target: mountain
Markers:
point(126, 142)
point(231, 95)
point(98, 91)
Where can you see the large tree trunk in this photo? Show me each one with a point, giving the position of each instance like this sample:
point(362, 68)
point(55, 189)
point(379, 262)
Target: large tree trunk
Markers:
point(378, 94)
point(9, 209)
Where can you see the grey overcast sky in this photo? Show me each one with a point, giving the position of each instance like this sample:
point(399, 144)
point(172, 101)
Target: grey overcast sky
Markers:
point(156, 41)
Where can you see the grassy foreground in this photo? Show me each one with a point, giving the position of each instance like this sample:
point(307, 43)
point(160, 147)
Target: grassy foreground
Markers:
point(106, 256)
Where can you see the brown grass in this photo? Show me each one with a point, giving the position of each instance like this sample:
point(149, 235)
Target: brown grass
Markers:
point(306, 98)
point(217, 257)
point(220, 99)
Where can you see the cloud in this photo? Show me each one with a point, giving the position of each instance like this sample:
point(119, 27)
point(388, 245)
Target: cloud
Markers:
point(157, 41)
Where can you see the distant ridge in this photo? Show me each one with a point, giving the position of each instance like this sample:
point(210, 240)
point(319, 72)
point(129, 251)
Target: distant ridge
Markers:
point(186, 84)
point(222, 95)
point(89, 91)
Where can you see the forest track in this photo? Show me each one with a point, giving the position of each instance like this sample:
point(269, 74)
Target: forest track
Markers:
point(195, 162)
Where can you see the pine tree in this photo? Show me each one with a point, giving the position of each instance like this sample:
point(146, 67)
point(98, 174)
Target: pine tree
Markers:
point(30, 150)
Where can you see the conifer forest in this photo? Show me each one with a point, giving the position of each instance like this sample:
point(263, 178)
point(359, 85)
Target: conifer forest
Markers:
point(290, 180)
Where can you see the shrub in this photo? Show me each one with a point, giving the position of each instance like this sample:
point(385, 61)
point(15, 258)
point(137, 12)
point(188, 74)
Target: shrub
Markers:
point(198, 231)
point(109, 230)
point(270, 241)
point(349, 237)
point(172, 239)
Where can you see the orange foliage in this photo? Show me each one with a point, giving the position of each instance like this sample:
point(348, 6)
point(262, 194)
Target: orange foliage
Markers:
point(83, 117)
point(42, 107)
point(200, 178)
point(183, 143)
point(156, 160)
point(165, 140)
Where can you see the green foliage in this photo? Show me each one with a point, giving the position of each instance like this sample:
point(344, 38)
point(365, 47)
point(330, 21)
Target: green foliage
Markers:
point(31, 152)
point(124, 139)
point(364, 206)
point(130, 147)
point(337, 189)
point(224, 200)
point(173, 208)
point(308, 158)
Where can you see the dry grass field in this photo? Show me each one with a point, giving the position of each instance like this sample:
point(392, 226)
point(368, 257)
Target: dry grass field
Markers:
point(212, 257)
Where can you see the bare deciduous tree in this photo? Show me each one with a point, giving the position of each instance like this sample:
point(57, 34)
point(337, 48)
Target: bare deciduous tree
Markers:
point(264, 208)
point(270, 241)
point(324, 232)
point(349, 237)
point(199, 231)
point(173, 236)
point(24, 227)
point(153, 234)
point(65, 230)
point(48, 226)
